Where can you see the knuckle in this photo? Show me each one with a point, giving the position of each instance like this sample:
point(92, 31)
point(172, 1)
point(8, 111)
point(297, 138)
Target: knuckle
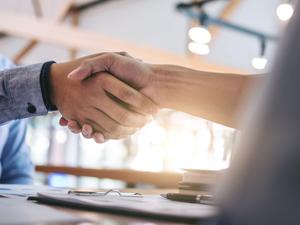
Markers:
point(110, 56)
point(85, 63)
point(149, 107)
point(124, 118)
point(127, 95)
point(114, 129)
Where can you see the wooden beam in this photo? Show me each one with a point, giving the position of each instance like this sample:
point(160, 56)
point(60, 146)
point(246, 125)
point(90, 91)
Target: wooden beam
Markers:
point(159, 179)
point(61, 15)
point(70, 37)
point(64, 11)
point(24, 51)
point(225, 15)
point(75, 22)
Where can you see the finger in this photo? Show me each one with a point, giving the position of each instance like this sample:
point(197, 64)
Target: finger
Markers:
point(109, 128)
point(80, 73)
point(74, 127)
point(98, 138)
point(87, 131)
point(63, 121)
point(120, 114)
point(137, 101)
point(98, 63)
point(92, 65)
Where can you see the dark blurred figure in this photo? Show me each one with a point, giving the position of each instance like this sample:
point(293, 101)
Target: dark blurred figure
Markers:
point(263, 186)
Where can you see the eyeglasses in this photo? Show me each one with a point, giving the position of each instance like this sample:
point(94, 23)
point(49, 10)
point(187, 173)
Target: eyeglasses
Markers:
point(98, 193)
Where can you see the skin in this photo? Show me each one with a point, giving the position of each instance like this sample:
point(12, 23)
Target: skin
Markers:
point(114, 109)
point(213, 96)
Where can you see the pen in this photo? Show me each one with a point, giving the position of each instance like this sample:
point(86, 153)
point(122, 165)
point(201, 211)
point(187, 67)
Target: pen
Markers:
point(201, 199)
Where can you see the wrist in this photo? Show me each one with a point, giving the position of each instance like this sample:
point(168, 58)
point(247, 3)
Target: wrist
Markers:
point(55, 82)
point(159, 83)
point(60, 84)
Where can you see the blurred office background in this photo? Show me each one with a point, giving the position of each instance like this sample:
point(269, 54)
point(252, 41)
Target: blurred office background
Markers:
point(174, 140)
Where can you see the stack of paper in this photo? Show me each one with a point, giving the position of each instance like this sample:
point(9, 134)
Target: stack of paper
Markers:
point(198, 182)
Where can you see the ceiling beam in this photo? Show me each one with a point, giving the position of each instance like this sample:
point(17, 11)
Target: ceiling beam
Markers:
point(61, 15)
point(225, 14)
point(69, 37)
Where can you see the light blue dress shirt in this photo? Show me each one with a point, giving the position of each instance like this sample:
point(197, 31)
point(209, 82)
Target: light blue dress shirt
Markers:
point(15, 163)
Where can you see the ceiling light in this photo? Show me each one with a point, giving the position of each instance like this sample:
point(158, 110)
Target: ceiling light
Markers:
point(198, 48)
point(259, 63)
point(200, 35)
point(285, 11)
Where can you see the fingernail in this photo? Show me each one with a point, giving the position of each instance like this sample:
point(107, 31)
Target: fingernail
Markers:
point(86, 132)
point(72, 74)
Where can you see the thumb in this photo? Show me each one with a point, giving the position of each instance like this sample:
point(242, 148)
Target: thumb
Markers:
point(90, 66)
point(81, 72)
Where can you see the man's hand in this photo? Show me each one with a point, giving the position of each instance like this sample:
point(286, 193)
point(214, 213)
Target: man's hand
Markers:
point(135, 73)
point(213, 96)
point(114, 109)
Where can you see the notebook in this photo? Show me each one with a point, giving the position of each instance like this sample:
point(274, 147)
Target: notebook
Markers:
point(147, 206)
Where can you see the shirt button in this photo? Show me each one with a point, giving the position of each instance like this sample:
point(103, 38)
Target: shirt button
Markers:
point(31, 108)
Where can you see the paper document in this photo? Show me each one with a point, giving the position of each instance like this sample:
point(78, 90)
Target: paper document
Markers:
point(25, 191)
point(19, 212)
point(151, 205)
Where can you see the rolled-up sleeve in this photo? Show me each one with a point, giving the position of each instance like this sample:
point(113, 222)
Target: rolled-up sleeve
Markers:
point(20, 93)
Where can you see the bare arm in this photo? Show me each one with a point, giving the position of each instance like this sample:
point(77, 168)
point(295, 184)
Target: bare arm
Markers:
point(213, 96)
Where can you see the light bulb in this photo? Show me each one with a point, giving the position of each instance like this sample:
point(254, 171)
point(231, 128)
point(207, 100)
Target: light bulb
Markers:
point(200, 35)
point(198, 48)
point(259, 63)
point(285, 11)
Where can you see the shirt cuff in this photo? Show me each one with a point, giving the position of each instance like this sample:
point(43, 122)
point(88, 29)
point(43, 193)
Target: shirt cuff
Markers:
point(45, 86)
point(23, 86)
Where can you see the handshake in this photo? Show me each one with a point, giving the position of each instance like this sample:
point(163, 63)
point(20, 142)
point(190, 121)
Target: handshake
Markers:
point(112, 95)
point(104, 96)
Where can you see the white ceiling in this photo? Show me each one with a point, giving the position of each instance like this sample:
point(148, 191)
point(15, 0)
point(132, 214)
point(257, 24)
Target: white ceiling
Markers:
point(156, 23)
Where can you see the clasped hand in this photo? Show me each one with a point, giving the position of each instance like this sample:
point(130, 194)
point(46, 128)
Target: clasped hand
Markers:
point(103, 97)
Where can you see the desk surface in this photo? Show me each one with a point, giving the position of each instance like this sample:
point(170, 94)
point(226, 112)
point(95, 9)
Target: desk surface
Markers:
point(99, 218)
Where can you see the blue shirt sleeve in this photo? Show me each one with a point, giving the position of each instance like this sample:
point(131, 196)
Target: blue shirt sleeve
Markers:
point(17, 167)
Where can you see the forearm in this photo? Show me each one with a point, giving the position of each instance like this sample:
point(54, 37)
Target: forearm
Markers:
point(213, 96)
point(20, 93)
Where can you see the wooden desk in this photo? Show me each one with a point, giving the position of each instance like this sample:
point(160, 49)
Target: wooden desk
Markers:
point(99, 218)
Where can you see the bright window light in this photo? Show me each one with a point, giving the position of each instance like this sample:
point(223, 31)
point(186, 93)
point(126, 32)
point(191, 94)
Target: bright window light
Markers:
point(198, 48)
point(259, 63)
point(60, 136)
point(285, 11)
point(200, 35)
